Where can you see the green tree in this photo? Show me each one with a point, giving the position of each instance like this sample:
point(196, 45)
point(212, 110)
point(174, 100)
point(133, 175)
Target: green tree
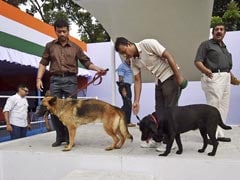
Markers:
point(219, 7)
point(15, 3)
point(90, 30)
point(216, 20)
point(231, 17)
point(226, 11)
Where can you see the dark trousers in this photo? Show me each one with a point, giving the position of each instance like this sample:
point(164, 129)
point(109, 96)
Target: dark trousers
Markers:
point(127, 101)
point(18, 132)
point(166, 94)
point(62, 87)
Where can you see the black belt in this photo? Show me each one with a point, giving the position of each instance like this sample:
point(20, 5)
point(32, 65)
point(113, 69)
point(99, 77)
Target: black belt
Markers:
point(220, 70)
point(169, 78)
point(64, 74)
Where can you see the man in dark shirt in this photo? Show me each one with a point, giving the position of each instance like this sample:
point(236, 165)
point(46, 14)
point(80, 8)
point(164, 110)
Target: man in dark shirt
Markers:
point(63, 55)
point(215, 63)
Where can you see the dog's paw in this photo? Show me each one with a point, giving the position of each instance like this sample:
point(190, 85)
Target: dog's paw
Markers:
point(117, 147)
point(179, 152)
point(66, 149)
point(211, 154)
point(201, 150)
point(163, 154)
point(109, 148)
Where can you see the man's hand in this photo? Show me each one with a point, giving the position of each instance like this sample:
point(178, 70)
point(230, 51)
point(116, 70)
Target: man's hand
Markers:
point(235, 81)
point(39, 85)
point(29, 127)
point(184, 84)
point(103, 71)
point(208, 73)
point(9, 128)
point(124, 92)
point(135, 108)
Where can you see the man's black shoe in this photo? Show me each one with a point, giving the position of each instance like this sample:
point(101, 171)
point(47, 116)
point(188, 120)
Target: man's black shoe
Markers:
point(224, 139)
point(57, 143)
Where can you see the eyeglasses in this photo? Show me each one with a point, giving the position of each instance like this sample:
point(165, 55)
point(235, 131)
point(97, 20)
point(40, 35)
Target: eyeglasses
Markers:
point(26, 90)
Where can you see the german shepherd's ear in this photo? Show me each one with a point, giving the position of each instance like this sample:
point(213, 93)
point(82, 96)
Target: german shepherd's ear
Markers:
point(48, 93)
point(52, 101)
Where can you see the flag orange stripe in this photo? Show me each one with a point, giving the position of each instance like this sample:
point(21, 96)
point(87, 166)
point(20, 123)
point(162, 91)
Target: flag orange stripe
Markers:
point(16, 14)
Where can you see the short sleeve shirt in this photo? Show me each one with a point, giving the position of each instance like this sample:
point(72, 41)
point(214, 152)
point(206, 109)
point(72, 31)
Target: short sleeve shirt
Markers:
point(150, 57)
point(214, 56)
point(17, 107)
point(125, 71)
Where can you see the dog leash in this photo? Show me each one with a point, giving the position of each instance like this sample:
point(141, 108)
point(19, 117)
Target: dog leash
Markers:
point(98, 75)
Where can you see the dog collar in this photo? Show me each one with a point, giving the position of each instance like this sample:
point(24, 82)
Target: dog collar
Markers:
point(154, 119)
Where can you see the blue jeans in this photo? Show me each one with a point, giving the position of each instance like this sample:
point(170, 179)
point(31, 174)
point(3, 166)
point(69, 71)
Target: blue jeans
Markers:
point(18, 132)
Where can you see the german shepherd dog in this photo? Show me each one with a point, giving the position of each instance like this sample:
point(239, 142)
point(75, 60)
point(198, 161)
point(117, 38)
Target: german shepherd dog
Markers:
point(170, 122)
point(74, 112)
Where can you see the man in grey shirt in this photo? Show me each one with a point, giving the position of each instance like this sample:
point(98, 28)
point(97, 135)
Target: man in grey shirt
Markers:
point(215, 63)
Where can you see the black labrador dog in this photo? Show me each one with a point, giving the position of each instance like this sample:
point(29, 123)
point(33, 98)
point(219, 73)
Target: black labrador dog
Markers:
point(170, 122)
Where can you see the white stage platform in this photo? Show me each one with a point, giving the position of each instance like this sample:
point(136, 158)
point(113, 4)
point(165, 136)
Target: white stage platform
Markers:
point(33, 158)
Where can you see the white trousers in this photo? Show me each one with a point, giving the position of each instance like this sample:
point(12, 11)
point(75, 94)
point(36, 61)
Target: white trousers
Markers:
point(217, 92)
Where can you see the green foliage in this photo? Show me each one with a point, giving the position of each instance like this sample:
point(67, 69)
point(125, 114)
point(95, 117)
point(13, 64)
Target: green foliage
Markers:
point(232, 16)
point(219, 7)
point(15, 3)
point(227, 11)
point(216, 20)
point(90, 30)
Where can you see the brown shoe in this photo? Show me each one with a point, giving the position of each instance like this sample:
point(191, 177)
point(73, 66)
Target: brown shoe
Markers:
point(131, 125)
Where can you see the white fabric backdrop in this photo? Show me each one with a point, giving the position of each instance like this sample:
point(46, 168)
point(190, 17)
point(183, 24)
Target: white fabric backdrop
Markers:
point(101, 54)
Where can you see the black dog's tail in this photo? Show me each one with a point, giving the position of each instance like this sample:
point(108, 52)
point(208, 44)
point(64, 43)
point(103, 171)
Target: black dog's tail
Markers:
point(222, 125)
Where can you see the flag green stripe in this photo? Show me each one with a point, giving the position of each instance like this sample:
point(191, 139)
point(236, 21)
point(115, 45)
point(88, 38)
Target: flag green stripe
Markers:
point(13, 42)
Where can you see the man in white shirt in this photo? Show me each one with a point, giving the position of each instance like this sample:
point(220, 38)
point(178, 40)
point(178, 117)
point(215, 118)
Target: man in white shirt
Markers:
point(15, 113)
point(150, 54)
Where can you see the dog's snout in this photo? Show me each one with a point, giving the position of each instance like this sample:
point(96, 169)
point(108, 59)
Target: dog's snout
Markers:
point(144, 137)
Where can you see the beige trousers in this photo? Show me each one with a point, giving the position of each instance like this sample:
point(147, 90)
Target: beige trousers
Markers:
point(217, 92)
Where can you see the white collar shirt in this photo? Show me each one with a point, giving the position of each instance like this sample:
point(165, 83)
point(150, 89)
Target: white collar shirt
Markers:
point(150, 57)
point(17, 107)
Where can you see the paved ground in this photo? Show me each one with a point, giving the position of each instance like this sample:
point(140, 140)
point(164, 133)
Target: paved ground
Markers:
point(88, 155)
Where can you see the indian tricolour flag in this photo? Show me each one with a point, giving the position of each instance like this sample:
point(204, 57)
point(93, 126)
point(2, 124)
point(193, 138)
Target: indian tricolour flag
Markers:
point(23, 37)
